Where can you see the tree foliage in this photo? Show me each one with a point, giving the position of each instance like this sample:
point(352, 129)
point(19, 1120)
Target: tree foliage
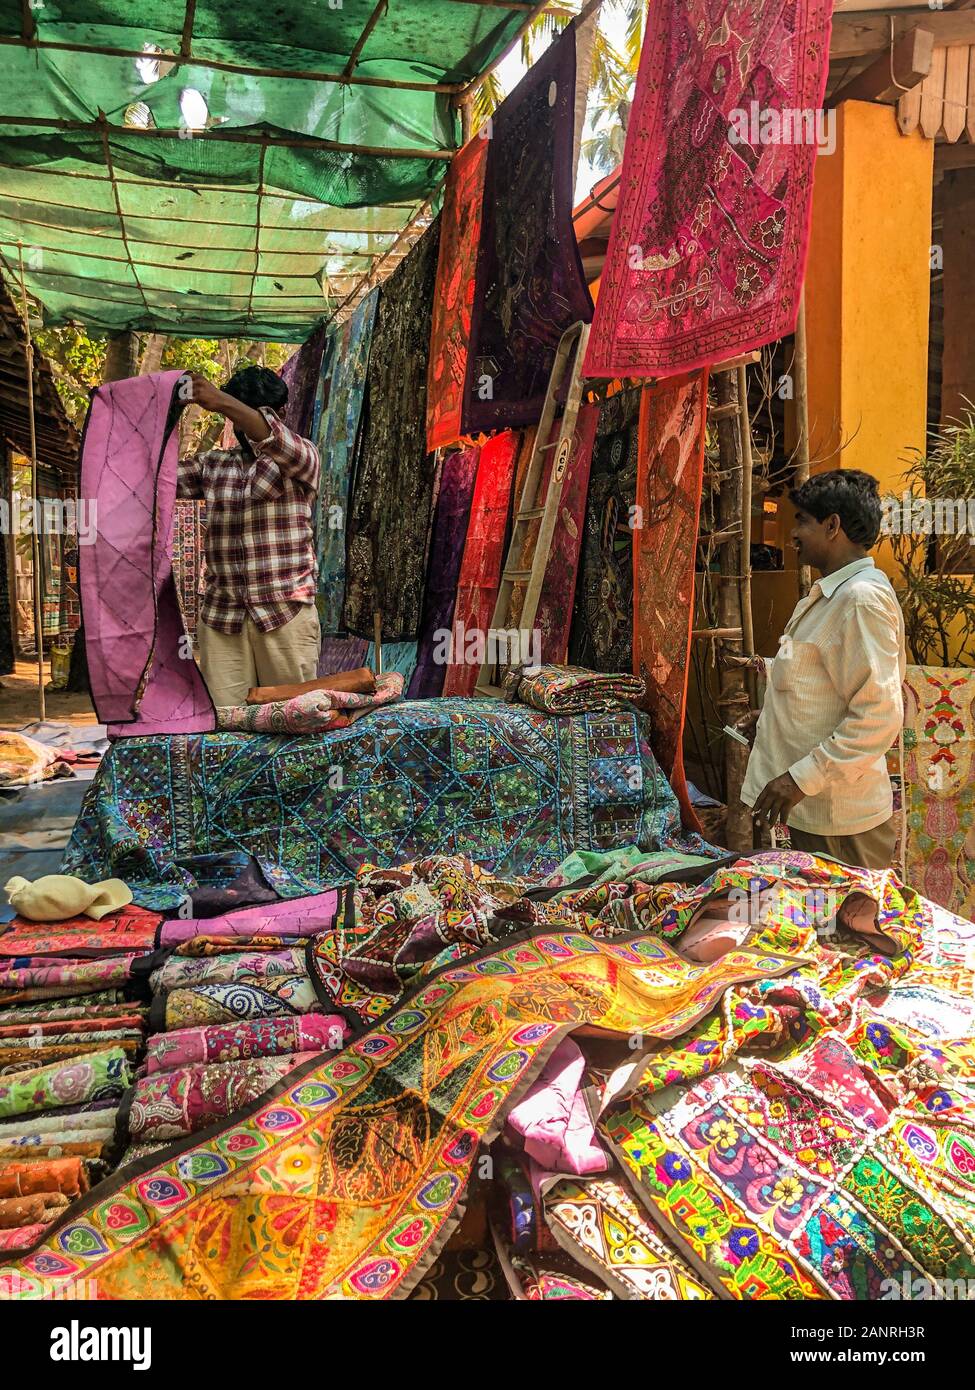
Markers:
point(78, 363)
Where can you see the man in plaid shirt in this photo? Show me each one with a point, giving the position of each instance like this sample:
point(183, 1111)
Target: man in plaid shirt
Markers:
point(258, 620)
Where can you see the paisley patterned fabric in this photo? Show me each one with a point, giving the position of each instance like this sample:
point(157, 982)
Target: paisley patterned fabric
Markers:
point(670, 475)
point(708, 244)
point(393, 490)
point(102, 1076)
point(191, 1098)
point(513, 789)
point(572, 690)
point(346, 360)
point(454, 299)
point(480, 569)
point(601, 636)
point(530, 285)
point(450, 524)
point(268, 1037)
point(194, 1006)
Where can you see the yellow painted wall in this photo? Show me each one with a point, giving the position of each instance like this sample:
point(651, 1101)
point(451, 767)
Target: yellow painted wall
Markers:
point(868, 290)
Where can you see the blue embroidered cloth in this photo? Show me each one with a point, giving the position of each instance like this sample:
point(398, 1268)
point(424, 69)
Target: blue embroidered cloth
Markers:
point(512, 788)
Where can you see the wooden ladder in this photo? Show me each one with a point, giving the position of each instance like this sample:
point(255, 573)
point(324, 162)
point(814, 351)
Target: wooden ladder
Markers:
point(530, 505)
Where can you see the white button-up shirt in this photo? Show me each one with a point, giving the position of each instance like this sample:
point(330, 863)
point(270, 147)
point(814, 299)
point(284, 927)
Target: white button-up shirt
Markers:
point(833, 704)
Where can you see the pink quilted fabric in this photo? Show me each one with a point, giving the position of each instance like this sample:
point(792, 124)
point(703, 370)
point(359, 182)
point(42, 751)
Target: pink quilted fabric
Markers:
point(143, 677)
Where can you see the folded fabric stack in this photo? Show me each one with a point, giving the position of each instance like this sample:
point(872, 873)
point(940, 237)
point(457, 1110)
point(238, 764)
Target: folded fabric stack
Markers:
point(70, 1033)
point(573, 689)
point(234, 1012)
point(313, 711)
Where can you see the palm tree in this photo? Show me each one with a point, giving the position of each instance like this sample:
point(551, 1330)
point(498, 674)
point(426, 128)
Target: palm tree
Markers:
point(613, 76)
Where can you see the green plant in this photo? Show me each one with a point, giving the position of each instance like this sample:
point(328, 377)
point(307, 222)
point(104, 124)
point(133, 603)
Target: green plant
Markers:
point(935, 584)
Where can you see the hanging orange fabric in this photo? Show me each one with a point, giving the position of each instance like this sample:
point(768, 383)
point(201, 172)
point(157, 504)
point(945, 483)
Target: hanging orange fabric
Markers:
point(670, 471)
point(453, 300)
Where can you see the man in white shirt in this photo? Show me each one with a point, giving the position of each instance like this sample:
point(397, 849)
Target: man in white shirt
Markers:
point(833, 703)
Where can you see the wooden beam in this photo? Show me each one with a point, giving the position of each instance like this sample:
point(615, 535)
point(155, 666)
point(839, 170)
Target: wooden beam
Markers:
point(887, 77)
point(956, 91)
point(933, 95)
point(864, 36)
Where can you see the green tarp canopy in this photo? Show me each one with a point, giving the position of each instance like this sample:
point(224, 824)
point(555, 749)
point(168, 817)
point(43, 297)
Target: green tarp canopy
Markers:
point(223, 168)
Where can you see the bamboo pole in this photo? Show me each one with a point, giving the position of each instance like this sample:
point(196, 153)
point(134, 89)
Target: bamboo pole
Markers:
point(733, 701)
point(745, 570)
point(34, 486)
point(800, 373)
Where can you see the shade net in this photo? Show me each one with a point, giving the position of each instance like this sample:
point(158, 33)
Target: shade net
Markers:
point(186, 195)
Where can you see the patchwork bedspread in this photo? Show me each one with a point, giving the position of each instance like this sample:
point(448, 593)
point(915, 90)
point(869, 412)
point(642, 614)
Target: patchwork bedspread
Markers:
point(512, 788)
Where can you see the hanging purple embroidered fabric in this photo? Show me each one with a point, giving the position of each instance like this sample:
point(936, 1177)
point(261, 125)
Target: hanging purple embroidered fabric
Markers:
point(446, 553)
point(140, 682)
point(301, 373)
point(530, 285)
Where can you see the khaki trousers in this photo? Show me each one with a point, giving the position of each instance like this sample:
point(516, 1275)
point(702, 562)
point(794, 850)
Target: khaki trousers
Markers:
point(231, 664)
point(871, 849)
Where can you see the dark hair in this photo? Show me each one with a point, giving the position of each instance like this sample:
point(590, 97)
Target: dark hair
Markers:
point(257, 386)
point(847, 493)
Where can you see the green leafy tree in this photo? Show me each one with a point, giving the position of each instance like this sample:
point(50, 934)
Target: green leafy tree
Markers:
point(613, 77)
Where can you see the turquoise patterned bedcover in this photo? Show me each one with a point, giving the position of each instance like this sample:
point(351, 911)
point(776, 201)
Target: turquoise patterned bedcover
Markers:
point(515, 789)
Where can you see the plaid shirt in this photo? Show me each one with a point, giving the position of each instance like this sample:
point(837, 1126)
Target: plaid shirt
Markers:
point(260, 540)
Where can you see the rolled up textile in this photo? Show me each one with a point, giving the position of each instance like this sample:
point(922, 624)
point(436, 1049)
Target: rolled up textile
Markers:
point(61, 979)
point(304, 714)
point(20, 1237)
point(314, 711)
point(573, 689)
point(205, 1004)
point(40, 1207)
point(23, 1178)
point(70, 1143)
point(30, 1054)
point(182, 1102)
point(101, 1076)
point(298, 917)
point(104, 1003)
point(67, 1027)
point(178, 972)
point(359, 682)
point(92, 1122)
point(262, 1037)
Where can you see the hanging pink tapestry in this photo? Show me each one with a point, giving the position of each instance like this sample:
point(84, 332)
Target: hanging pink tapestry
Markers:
point(708, 247)
point(670, 470)
point(143, 678)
